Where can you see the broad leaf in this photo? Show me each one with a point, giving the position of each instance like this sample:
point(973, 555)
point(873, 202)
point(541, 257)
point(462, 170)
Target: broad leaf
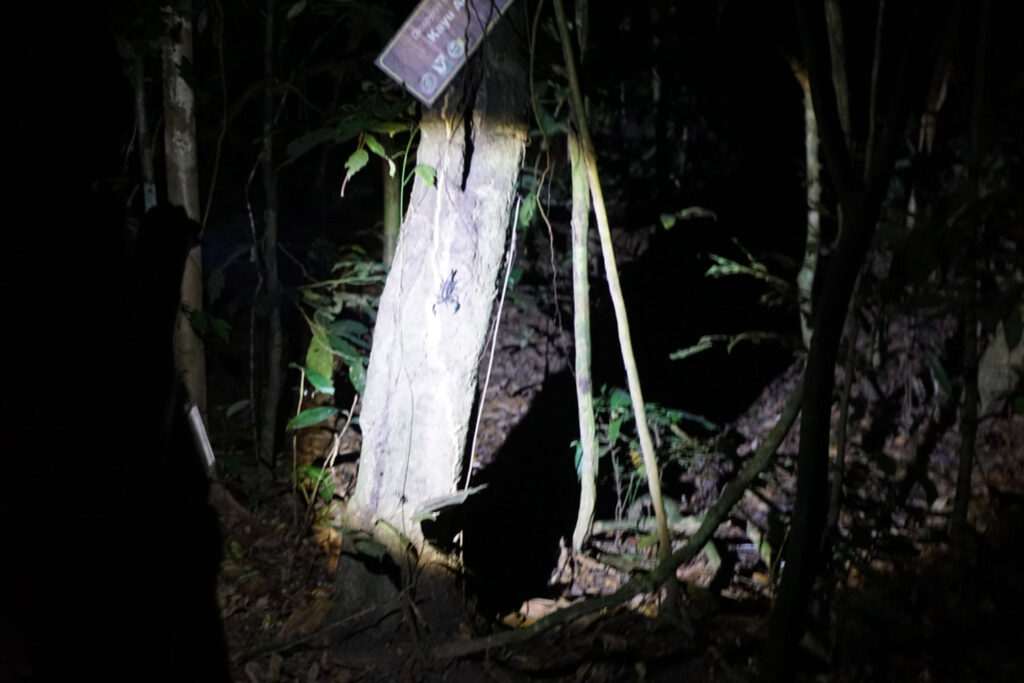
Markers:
point(319, 358)
point(354, 164)
point(374, 145)
point(426, 173)
point(313, 416)
point(370, 548)
point(357, 375)
point(296, 9)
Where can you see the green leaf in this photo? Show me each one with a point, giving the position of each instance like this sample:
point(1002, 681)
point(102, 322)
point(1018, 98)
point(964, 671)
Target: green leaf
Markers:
point(426, 173)
point(325, 488)
point(668, 220)
point(206, 326)
point(378, 149)
point(344, 350)
point(350, 330)
point(514, 276)
point(319, 358)
point(939, 374)
point(236, 407)
point(764, 548)
point(370, 548)
point(220, 329)
point(313, 416)
point(528, 210)
point(613, 430)
point(315, 299)
point(356, 161)
point(347, 328)
point(703, 344)
point(619, 399)
point(648, 541)
point(296, 9)
point(310, 471)
point(354, 164)
point(713, 557)
point(375, 145)
point(694, 417)
point(319, 382)
point(357, 375)
point(389, 127)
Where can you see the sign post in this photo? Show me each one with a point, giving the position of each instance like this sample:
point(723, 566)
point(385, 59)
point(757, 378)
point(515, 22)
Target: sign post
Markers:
point(435, 42)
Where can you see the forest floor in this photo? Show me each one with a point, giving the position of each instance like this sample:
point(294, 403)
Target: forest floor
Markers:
point(896, 601)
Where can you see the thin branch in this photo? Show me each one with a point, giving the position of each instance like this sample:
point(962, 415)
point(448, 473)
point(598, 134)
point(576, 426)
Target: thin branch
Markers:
point(823, 95)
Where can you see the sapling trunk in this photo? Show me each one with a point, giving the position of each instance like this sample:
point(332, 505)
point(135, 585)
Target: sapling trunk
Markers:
point(618, 303)
point(581, 330)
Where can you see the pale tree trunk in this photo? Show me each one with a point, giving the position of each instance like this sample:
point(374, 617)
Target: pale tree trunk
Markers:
point(437, 303)
point(581, 330)
point(183, 190)
point(812, 242)
point(618, 303)
point(271, 395)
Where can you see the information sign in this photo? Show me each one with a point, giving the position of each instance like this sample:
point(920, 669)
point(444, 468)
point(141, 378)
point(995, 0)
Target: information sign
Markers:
point(435, 41)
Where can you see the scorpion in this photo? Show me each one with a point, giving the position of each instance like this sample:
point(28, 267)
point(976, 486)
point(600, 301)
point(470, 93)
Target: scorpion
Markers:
point(447, 294)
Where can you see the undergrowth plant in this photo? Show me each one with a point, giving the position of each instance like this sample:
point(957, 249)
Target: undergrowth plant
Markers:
point(779, 294)
point(616, 433)
point(338, 311)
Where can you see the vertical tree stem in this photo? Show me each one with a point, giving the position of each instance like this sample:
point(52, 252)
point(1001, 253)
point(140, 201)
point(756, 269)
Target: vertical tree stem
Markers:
point(271, 395)
point(612, 274)
point(581, 333)
point(182, 165)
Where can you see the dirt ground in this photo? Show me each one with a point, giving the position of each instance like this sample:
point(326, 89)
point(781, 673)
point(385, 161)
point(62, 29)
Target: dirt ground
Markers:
point(896, 601)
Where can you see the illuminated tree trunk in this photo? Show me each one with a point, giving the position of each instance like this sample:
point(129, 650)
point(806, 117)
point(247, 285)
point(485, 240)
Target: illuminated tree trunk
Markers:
point(812, 243)
point(183, 190)
point(440, 293)
point(581, 330)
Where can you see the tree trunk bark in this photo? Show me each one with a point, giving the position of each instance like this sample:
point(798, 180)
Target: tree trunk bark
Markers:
point(618, 303)
point(183, 190)
point(812, 243)
point(581, 330)
point(969, 408)
point(434, 312)
point(270, 397)
point(860, 197)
